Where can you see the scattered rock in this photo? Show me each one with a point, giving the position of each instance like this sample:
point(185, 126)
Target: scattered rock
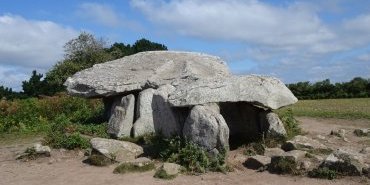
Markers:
point(305, 165)
point(257, 162)
point(168, 171)
point(269, 152)
point(272, 125)
point(261, 91)
point(340, 133)
point(141, 164)
point(122, 118)
point(361, 132)
point(345, 162)
point(34, 152)
point(207, 128)
point(365, 150)
point(303, 143)
point(116, 150)
point(286, 163)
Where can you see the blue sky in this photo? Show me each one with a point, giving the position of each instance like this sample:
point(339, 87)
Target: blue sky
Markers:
point(294, 40)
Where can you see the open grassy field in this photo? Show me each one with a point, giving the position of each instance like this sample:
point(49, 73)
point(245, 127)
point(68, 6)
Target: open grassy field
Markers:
point(357, 108)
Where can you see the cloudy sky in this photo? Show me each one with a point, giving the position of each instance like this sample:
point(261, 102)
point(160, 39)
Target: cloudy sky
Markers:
point(294, 40)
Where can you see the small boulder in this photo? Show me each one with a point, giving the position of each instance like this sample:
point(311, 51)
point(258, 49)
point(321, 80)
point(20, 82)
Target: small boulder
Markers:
point(168, 171)
point(207, 128)
point(340, 133)
point(303, 143)
point(272, 125)
point(37, 150)
point(116, 150)
point(257, 162)
point(286, 163)
point(345, 162)
point(269, 152)
point(365, 150)
point(141, 164)
point(361, 132)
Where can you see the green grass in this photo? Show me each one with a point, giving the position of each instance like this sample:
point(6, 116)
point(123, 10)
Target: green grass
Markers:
point(356, 108)
point(128, 167)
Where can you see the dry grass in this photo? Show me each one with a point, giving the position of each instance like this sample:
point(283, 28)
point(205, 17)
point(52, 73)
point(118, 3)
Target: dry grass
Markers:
point(357, 108)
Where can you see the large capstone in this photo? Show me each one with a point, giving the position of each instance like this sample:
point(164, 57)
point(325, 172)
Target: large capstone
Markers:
point(144, 70)
point(206, 127)
point(262, 91)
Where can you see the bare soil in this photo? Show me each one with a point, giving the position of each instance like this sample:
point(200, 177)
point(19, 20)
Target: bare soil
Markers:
point(66, 167)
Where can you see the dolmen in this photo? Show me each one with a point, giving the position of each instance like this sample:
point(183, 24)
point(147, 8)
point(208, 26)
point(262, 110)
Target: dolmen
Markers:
point(187, 94)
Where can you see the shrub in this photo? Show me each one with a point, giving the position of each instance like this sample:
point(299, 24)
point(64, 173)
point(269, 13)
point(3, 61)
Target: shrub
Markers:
point(129, 167)
point(161, 174)
point(99, 160)
point(323, 173)
point(283, 165)
point(187, 154)
point(290, 123)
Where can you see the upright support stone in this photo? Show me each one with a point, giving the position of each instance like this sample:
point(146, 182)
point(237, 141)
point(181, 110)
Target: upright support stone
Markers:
point(144, 114)
point(271, 124)
point(122, 116)
point(207, 128)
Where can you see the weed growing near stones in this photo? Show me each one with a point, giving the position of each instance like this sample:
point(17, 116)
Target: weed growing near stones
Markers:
point(131, 167)
point(161, 174)
point(323, 173)
point(290, 123)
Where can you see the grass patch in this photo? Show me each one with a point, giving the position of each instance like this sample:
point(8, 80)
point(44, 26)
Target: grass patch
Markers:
point(323, 173)
point(283, 165)
point(291, 125)
point(161, 174)
point(355, 108)
point(65, 134)
point(99, 160)
point(130, 167)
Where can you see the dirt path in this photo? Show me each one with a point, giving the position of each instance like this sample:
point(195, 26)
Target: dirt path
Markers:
point(66, 167)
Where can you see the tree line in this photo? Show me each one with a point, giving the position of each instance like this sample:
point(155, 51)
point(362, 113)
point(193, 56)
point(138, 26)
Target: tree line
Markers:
point(80, 53)
point(356, 88)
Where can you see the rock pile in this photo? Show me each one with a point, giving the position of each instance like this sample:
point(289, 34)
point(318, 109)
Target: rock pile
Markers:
point(183, 93)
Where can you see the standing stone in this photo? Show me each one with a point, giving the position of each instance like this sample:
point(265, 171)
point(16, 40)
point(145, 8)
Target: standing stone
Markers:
point(144, 114)
point(122, 118)
point(207, 128)
point(271, 124)
point(165, 119)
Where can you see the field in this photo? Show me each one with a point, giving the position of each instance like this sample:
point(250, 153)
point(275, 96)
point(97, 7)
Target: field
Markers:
point(357, 108)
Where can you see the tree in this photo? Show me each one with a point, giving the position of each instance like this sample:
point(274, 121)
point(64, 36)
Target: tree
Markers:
point(146, 45)
point(80, 53)
point(34, 86)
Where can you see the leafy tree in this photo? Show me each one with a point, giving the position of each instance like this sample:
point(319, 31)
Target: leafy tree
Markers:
point(80, 53)
point(34, 86)
point(146, 45)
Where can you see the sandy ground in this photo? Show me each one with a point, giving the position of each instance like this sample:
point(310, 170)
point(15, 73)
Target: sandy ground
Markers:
point(66, 167)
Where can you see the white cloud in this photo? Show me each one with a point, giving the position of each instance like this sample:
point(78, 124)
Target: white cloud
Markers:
point(289, 40)
point(106, 15)
point(29, 44)
point(250, 21)
point(100, 13)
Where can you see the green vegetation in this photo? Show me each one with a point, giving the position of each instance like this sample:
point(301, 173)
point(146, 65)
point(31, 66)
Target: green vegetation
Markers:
point(161, 174)
point(357, 108)
point(356, 88)
point(290, 123)
point(323, 173)
point(99, 160)
point(255, 148)
point(130, 167)
point(283, 165)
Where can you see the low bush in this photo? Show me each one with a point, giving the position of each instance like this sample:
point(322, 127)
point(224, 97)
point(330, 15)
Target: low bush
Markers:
point(161, 174)
point(290, 123)
point(323, 173)
point(65, 134)
point(283, 165)
point(129, 167)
